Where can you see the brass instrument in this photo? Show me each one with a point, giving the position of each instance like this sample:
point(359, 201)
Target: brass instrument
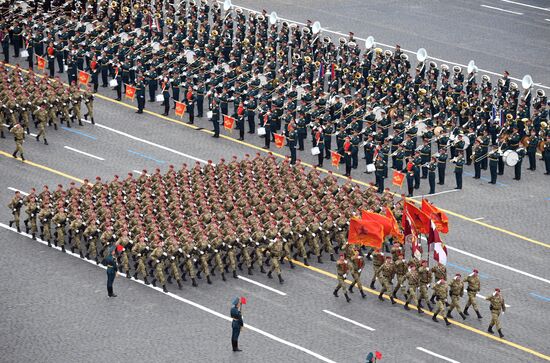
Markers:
point(357, 75)
point(214, 33)
point(169, 21)
point(307, 59)
point(281, 53)
point(317, 64)
point(181, 23)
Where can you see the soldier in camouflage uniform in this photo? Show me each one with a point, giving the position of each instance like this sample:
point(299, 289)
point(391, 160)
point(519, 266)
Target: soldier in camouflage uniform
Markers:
point(440, 290)
point(15, 205)
point(413, 279)
point(425, 281)
point(377, 261)
point(356, 264)
point(342, 269)
point(139, 251)
point(59, 220)
point(456, 291)
point(385, 275)
point(474, 286)
point(275, 249)
point(497, 306)
point(400, 271)
point(439, 272)
point(32, 211)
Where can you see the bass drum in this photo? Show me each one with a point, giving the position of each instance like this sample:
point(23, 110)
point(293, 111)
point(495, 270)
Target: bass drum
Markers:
point(510, 157)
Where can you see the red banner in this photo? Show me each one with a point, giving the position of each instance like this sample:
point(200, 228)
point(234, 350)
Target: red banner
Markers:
point(41, 62)
point(398, 178)
point(279, 140)
point(396, 232)
point(335, 158)
point(83, 77)
point(439, 218)
point(365, 233)
point(180, 109)
point(130, 92)
point(228, 122)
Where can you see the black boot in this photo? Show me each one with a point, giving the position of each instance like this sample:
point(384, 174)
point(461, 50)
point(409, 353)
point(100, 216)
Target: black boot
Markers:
point(63, 249)
point(380, 296)
point(447, 321)
point(347, 297)
point(269, 275)
point(305, 262)
point(262, 269)
point(335, 292)
point(128, 275)
point(280, 279)
point(235, 274)
point(363, 295)
point(194, 282)
point(406, 307)
point(240, 266)
point(46, 142)
point(465, 312)
point(490, 330)
point(450, 316)
point(430, 306)
point(394, 293)
point(500, 333)
point(93, 122)
point(319, 259)
point(420, 310)
point(208, 280)
point(291, 264)
point(350, 288)
point(154, 282)
point(164, 288)
point(478, 315)
point(223, 276)
point(55, 126)
point(169, 279)
point(432, 299)
point(392, 300)
point(332, 257)
point(250, 271)
point(462, 316)
point(434, 318)
point(34, 238)
point(145, 280)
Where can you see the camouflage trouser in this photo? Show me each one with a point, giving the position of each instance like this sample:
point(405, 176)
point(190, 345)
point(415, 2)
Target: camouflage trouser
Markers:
point(357, 279)
point(19, 147)
point(286, 250)
point(16, 217)
point(52, 116)
point(423, 292)
point(76, 112)
point(140, 269)
point(34, 227)
point(60, 236)
point(400, 285)
point(204, 265)
point(314, 245)
point(495, 314)
point(326, 242)
point(92, 249)
point(412, 295)
point(159, 273)
point(275, 265)
point(455, 303)
point(375, 270)
point(259, 256)
point(439, 306)
point(247, 260)
point(90, 107)
point(189, 267)
point(219, 262)
point(386, 284)
point(300, 248)
point(46, 231)
point(174, 270)
point(124, 262)
point(76, 241)
point(41, 130)
point(341, 238)
point(471, 300)
point(341, 282)
point(232, 259)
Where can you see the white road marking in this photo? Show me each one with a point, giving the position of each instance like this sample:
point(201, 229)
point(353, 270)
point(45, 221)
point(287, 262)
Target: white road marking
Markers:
point(262, 285)
point(498, 264)
point(547, 19)
point(413, 52)
point(442, 192)
point(522, 4)
point(139, 172)
point(483, 297)
point(479, 219)
point(149, 142)
point(437, 355)
point(17, 190)
point(349, 320)
point(189, 302)
point(500, 9)
point(33, 135)
point(83, 153)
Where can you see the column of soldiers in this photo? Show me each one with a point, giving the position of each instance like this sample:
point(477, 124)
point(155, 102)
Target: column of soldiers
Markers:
point(236, 216)
point(26, 98)
point(288, 80)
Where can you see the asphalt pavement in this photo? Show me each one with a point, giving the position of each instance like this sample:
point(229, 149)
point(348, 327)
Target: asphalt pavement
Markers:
point(57, 307)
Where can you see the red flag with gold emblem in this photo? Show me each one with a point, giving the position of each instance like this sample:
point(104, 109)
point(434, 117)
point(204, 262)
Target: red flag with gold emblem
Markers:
point(228, 122)
point(365, 233)
point(439, 218)
point(279, 140)
point(180, 109)
point(398, 178)
point(335, 158)
point(83, 77)
point(130, 92)
point(384, 221)
point(41, 62)
point(419, 219)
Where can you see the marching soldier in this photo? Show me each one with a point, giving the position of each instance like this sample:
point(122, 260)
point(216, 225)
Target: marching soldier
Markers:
point(377, 262)
point(385, 275)
point(456, 292)
point(440, 273)
point(413, 280)
point(356, 264)
point(59, 220)
point(19, 136)
point(275, 249)
point(425, 281)
point(497, 306)
point(342, 268)
point(440, 291)
point(474, 286)
point(15, 205)
point(401, 272)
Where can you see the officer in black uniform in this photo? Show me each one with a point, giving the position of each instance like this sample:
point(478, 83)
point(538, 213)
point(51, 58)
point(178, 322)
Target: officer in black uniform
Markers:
point(250, 105)
point(517, 167)
point(380, 166)
point(494, 156)
point(432, 166)
point(441, 165)
point(140, 94)
point(292, 134)
point(532, 150)
point(459, 165)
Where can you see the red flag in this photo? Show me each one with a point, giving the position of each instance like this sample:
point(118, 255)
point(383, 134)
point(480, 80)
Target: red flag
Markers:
point(41, 62)
point(385, 222)
point(335, 158)
point(366, 233)
point(440, 253)
point(180, 109)
point(279, 140)
point(378, 355)
point(229, 122)
point(411, 234)
point(83, 77)
point(130, 92)
point(419, 219)
point(398, 178)
point(243, 300)
point(396, 232)
point(119, 248)
point(436, 215)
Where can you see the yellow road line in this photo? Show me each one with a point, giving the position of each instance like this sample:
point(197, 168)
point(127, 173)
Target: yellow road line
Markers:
point(328, 274)
point(455, 214)
point(429, 313)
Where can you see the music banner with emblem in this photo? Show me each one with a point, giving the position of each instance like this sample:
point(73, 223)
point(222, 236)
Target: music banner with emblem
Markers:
point(335, 158)
point(83, 77)
point(228, 122)
point(180, 108)
point(130, 92)
point(398, 178)
point(279, 140)
point(41, 62)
